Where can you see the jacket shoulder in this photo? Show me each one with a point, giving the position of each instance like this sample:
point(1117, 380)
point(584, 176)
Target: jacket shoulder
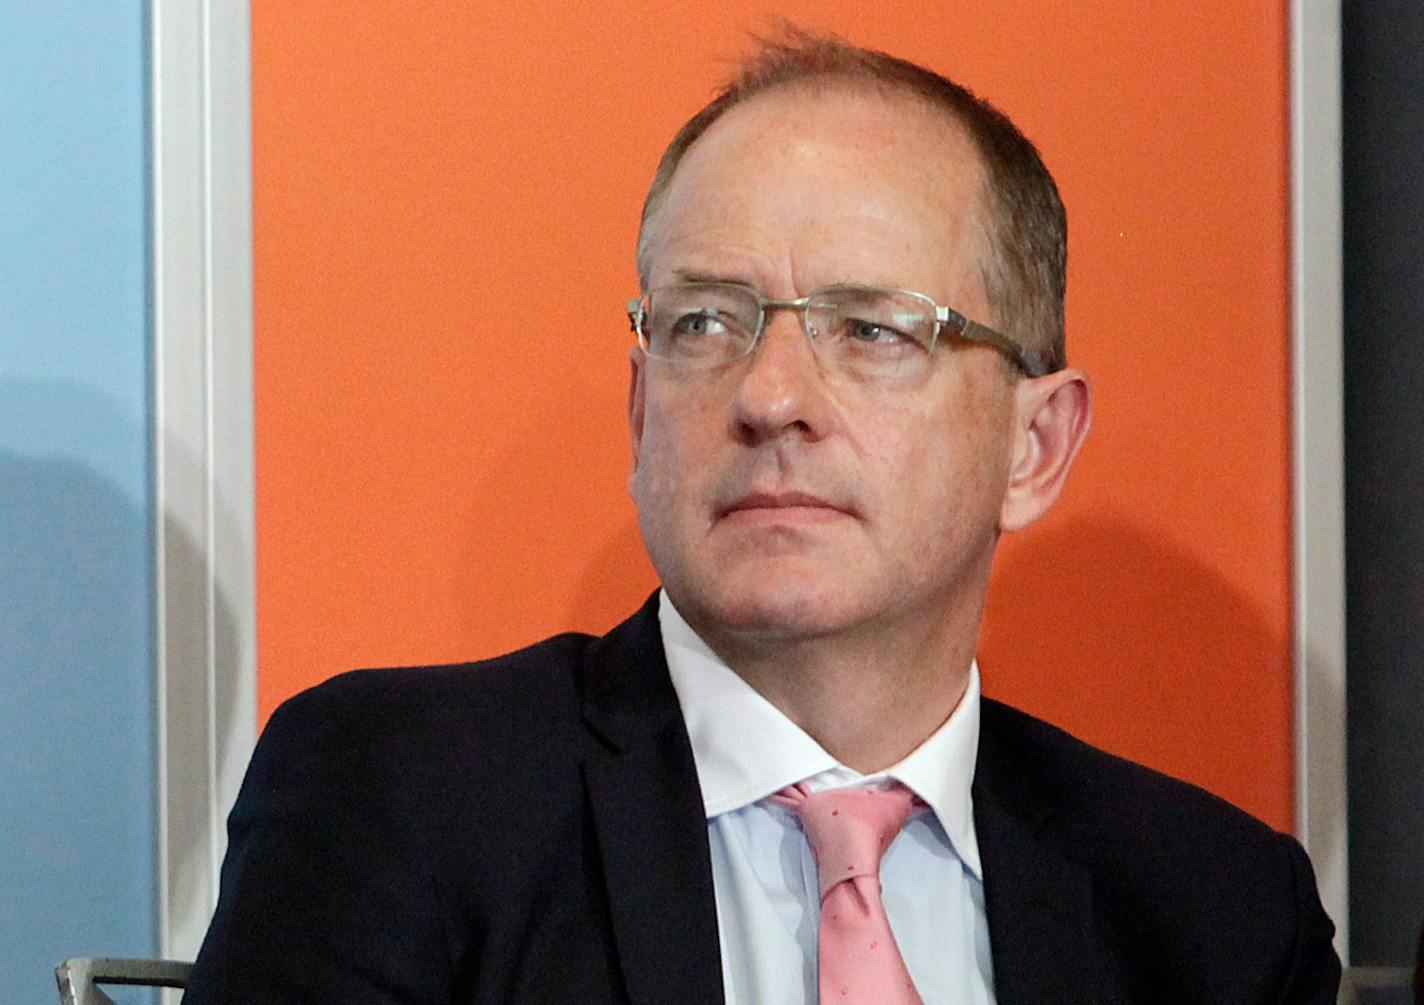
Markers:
point(1101, 794)
point(511, 691)
point(359, 791)
point(399, 738)
point(1183, 882)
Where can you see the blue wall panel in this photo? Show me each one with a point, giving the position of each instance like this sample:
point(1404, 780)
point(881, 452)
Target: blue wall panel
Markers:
point(77, 845)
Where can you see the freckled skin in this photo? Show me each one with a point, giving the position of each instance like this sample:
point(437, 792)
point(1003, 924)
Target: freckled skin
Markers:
point(788, 193)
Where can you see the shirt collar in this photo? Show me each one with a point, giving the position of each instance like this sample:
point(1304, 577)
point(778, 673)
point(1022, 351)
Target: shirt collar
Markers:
point(745, 748)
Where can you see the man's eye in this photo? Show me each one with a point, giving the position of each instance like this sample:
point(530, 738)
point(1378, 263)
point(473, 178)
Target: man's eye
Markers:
point(703, 322)
point(862, 330)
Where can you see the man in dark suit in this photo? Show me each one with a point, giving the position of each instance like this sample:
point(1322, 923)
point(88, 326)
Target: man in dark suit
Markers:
point(849, 380)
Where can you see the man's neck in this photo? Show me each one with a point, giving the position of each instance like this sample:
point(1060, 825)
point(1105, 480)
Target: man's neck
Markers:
point(870, 699)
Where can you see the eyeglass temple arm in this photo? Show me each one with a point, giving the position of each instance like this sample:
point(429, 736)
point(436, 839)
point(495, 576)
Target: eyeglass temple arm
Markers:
point(975, 332)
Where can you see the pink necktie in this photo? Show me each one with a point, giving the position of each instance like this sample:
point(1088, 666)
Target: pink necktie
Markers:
point(849, 829)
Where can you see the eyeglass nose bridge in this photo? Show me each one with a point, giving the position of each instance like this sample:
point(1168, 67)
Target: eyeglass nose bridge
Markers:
point(802, 305)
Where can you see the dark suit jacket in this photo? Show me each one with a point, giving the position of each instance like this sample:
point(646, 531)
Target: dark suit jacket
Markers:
point(530, 829)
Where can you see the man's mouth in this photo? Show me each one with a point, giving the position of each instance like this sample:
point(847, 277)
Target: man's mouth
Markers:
point(782, 507)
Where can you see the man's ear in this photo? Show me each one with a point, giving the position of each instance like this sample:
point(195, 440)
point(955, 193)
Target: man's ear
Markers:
point(637, 362)
point(1051, 418)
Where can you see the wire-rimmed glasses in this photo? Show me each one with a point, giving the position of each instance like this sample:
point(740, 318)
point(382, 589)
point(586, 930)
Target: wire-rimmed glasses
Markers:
point(867, 332)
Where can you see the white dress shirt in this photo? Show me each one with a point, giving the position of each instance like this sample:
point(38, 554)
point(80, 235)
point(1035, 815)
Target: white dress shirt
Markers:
point(768, 910)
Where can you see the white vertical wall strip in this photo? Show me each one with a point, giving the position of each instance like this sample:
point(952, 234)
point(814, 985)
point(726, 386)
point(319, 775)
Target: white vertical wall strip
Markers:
point(1318, 450)
point(203, 451)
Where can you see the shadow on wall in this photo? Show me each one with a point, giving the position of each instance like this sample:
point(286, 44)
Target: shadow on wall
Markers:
point(78, 811)
point(617, 581)
point(76, 698)
point(1172, 665)
point(63, 420)
point(209, 727)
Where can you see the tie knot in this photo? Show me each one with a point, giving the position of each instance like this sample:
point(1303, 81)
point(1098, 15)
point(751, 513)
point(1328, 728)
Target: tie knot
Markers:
point(848, 829)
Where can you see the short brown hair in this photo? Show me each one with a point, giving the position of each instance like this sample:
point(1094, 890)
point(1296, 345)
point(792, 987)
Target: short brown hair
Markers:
point(1024, 276)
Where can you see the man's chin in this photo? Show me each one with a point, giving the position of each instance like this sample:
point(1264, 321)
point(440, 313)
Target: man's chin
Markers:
point(764, 612)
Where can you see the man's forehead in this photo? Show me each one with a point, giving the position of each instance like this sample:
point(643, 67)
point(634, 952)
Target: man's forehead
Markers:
point(854, 113)
point(848, 165)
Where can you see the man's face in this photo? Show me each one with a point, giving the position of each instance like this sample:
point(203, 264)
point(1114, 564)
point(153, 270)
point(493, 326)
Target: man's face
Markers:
point(777, 500)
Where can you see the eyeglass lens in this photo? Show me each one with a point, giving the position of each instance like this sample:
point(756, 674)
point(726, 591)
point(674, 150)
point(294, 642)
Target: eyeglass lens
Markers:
point(863, 331)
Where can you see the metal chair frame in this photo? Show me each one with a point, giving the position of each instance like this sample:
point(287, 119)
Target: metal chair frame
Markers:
point(1364, 984)
point(79, 978)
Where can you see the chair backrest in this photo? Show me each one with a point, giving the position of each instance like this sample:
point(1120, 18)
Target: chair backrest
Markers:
point(79, 978)
point(1377, 986)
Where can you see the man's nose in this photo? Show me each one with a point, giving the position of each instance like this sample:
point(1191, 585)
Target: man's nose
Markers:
point(783, 388)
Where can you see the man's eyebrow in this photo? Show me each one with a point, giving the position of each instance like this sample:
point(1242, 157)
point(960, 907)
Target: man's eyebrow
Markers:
point(687, 276)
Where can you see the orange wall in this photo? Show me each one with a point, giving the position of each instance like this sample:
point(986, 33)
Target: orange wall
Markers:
point(446, 198)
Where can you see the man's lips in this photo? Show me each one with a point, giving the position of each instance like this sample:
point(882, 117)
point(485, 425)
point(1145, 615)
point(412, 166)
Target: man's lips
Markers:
point(782, 506)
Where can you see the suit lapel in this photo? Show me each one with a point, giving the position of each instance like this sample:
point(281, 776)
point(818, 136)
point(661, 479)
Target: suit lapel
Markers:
point(652, 835)
point(1039, 904)
point(648, 815)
